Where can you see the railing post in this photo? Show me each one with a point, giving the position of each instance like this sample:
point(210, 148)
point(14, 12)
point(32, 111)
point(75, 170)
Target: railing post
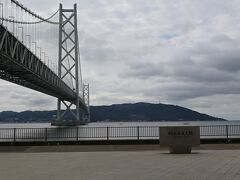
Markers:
point(45, 134)
point(159, 134)
point(107, 133)
point(14, 134)
point(227, 133)
point(77, 133)
point(137, 132)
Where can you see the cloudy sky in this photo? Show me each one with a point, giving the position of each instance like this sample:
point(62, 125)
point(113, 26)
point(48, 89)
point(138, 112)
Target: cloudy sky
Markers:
point(184, 52)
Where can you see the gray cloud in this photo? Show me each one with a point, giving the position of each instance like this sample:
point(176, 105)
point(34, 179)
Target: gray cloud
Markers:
point(180, 52)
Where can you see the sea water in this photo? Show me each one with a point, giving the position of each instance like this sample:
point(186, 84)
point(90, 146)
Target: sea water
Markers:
point(124, 124)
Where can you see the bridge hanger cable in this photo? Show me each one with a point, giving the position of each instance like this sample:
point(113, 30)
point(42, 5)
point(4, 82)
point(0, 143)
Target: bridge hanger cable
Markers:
point(35, 22)
point(32, 30)
point(36, 15)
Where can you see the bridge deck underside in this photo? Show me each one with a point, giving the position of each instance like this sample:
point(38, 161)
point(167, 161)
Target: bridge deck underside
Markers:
point(11, 71)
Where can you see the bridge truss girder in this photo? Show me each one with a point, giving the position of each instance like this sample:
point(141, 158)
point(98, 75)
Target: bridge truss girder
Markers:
point(20, 66)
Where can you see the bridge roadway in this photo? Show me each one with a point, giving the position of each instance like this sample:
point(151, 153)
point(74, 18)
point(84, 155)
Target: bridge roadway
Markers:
point(20, 66)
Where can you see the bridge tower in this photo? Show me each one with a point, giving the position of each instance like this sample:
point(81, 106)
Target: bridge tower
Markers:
point(69, 68)
point(86, 95)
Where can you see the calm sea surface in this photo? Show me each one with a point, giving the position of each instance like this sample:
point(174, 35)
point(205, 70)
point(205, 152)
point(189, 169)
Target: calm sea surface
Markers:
point(122, 124)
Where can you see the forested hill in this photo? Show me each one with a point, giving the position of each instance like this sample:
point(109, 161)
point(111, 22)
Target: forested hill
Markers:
point(117, 112)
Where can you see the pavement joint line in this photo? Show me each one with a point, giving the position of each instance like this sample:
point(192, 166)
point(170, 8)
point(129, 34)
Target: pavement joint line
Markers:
point(98, 148)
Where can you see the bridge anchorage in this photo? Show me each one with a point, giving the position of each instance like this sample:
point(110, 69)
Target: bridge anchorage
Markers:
point(23, 64)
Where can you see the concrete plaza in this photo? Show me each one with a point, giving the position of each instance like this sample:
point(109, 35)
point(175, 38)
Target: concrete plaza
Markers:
point(148, 162)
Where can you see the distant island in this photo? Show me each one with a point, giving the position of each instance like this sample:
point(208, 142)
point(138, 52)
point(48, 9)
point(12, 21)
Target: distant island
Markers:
point(144, 112)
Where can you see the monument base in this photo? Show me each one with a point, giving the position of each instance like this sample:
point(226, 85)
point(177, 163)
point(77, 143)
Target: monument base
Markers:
point(67, 123)
point(180, 149)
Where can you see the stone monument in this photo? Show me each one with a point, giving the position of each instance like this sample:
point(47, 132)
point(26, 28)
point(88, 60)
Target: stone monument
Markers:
point(180, 139)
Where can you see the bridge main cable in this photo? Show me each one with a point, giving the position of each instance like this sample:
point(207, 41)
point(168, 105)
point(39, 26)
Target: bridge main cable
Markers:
point(33, 14)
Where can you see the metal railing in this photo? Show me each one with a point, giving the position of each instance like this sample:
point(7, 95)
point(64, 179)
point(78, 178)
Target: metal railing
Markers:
point(106, 133)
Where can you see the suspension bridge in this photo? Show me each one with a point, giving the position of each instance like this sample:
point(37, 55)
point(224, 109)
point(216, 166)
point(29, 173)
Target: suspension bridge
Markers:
point(43, 54)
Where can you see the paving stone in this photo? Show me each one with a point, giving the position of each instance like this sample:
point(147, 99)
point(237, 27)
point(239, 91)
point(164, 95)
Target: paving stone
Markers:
point(121, 165)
